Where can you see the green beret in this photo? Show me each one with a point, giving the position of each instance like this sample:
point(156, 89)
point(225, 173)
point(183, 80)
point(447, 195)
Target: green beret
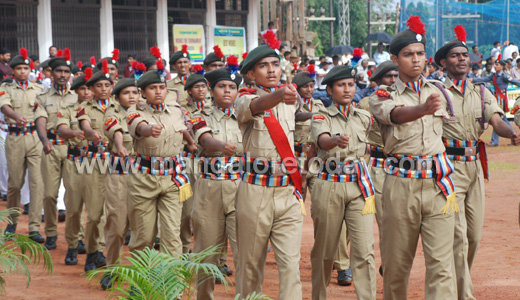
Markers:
point(337, 73)
point(442, 53)
point(58, 62)
point(76, 69)
point(122, 84)
point(405, 38)
point(382, 69)
point(212, 57)
point(501, 62)
point(222, 74)
point(85, 66)
point(150, 77)
point(257, 55)
point(192, 79)
point(177, 55)
point(99, 65)
point(18, 60)
point(149, 61)
point(44, 64)
point(98, 76)
point(78, 82)
point(302, 79)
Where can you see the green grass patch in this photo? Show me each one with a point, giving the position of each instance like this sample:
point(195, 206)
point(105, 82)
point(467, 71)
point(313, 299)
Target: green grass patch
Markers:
point(502, 166)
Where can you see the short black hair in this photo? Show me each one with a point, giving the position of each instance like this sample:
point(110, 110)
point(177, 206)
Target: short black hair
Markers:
point(302, 64)
point(312, 62)
point(53, 47)
point(34, 57)
point(306, 60)
point(132, 55)
point(518, 60)
point(496, 43)
point(435, 66)
point(335, 57)
point(476, 67)
point(322, 57)
point(4, 50)
point(270, 23)
point(286, 53)
point(474, 46)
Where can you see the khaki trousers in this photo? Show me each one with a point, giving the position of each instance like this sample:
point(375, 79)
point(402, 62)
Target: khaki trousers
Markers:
point(213, 221)
point(335, 203)
point(187, 208)
point(95, 206)
point(52, 168)
point(75, 196)
point(154, 199)
point(411, 207)
point(378, 177)
point(268, 214)
point(25, 153)
point(469, 184)
point(116, 226)
point(342, 261)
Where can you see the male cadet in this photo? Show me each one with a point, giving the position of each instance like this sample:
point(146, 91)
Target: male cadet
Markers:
point(289, 68)
point(180, 61)
point(418, 191)
point(214, 60)
point(500, 81)
point(113, 66)
point(22, 148)
point(58, 96)
point(473, 106)
point(269, 204)
point(385, 74)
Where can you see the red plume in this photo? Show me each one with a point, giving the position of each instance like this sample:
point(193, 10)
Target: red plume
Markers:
point(460, 33)
point(499, 57)
point(244, 55)
point(31, 65)
point(196, 68)
point(430, 59)
point(88, 73)
point(232, 60)
point(159, 64)
point(184, 48)
point(416, 25)
point(271, 40)
point(369, 73)
point(40, 76)
point(140, 67)
point(23, 53)
point(93, 61)
point(311, 69)
point(357, 52)
point(134, 64)
point(156, 52)
point(79, 64)
point(104, 68)
point(59, 53)
point(66, 54)
point(295, 66)
point(218, 52)
point(115, 55)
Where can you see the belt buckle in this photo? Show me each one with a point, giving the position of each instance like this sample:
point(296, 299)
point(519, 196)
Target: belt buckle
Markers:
point(470, 151)
point(24, 129)
point(425, 164)
point(306, 148)
point(83, 152)
point(157, 164)
point(347, 169)
point(227, 168)
point(101, 149)
point(278, 169)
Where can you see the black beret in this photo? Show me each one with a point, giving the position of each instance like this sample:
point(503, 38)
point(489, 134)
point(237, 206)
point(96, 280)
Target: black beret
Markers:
point(442, 53)
point(192, 79)
point(256, 55)
point(59, 62)
point(76, 69)
point(212, 57)
point(150, 77)
point(177, 55)
point(337, 73)
point(99, 65)
point(85, 66)
point(18, 60)
point(405, 38)
point(122, 84)
point(382, 69)
point(98, 76)
point(501, 62)
point(302, 79)
point(78, 82)
point(149, 61)
point(222, 74)
point(45, 64)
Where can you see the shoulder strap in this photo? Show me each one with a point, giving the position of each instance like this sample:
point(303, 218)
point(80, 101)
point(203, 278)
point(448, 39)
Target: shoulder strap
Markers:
point(502, 99)
point(448, 99)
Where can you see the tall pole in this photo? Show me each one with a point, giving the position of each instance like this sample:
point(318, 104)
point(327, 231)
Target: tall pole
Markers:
point(507, 28)
point(331, 25)
point(369, 17)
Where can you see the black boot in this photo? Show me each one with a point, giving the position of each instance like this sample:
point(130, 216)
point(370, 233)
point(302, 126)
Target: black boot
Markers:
point(81, 247)
point(61, 215)
point(345, 277)
point(11, 228)
point(100, 259)
point(157, 243)
point(106, 281)
point(72, 257)
point(50, 243)
point(90, 263)
point(36, 236)
point(26, 209)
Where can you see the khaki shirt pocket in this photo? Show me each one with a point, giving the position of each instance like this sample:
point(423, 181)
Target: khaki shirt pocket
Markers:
point(406, 130)
point(438, 122)
point(260, 137)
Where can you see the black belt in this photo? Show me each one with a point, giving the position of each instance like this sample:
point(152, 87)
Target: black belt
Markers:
point(377, 154)
point(51, 136)
point(265, 169)
point(75, 152)
point(118, 167)
point(408, 164)
point(458, 151)
point(298, 149)
point(22, 129)
point(168, 163)
point(334, 168)
point(96, 149)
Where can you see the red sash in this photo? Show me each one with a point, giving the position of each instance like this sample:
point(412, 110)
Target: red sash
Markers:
point(483, 158)
point(502, 99)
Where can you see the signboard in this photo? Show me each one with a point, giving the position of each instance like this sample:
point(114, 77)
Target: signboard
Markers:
point(232, 40)
point(193, 36)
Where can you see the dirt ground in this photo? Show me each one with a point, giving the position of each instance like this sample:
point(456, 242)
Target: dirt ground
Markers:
point(496, 273)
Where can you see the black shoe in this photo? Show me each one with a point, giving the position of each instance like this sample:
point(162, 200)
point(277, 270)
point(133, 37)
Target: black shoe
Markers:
point(11, 228)
point(218, 280)
point(61, 215)
point(43, 218)
point(4, 197)
point(106, 282)
point(90, 263)
point(100, 259)
point(381, 270)
point(127, 240)
point(157, 244)
point(81, 247)
point(345, 277)
point(50, 243)
point(36, 236)
point(72, 257)
point(26, 209)
point(225, 270)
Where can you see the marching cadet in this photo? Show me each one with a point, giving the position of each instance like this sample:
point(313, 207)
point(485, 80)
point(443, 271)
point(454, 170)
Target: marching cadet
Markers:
point(385, 74)
point(196, 90)
point(269, 205)
point(290, 68)
point(77, 70)
point(91, 117)
point(22, 148)
point(473, 106)
point(116, 185)
point(156, 192)
point(75, 189)
point(418, 192)
point(214, 60)
point(113, 66)
point(216, 131)
point(58, 96)
point(180, 61)
point(343, 191)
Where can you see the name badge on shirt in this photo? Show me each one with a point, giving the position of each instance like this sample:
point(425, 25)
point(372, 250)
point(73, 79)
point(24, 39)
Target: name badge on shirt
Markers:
point(93, 119)
point(48, 104)
point(267, 114)
point(216, 131)
point(336, 134)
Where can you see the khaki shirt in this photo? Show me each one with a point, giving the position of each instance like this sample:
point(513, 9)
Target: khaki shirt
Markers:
point(50, 103)
point(115, 120)
point(467, 108)
point(256, 138)
point(191, 108)
point(92, 112)
point(419, 137)
point(169, 143)
point(302, 133)
point(331, 121)
point(22, 102)
point(374, 134)
point(177, 84)
point(288, 72)
point(221, 126)
point(516, 110)
point(67, 116)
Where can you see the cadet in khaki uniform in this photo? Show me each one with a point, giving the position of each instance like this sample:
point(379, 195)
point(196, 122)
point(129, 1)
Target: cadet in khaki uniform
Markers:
point(289, 68)
point(180, 61)
point(91, 117)
point(156, 192)
point(418, 192)
point(116, 185)
point(385, 74)
point(58, 96)
point(473, 106)
point(268, 207)
point(343, 191)
point(216, 131)
point(22, 148)
point(214, 60)
point(75, 189)
point(113, 66)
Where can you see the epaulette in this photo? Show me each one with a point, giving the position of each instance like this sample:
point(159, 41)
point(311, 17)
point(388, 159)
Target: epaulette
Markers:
point(246, 91)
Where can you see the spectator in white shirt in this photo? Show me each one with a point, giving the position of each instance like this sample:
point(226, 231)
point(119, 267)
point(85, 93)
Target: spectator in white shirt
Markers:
point(381, 55)
point(320, 90)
